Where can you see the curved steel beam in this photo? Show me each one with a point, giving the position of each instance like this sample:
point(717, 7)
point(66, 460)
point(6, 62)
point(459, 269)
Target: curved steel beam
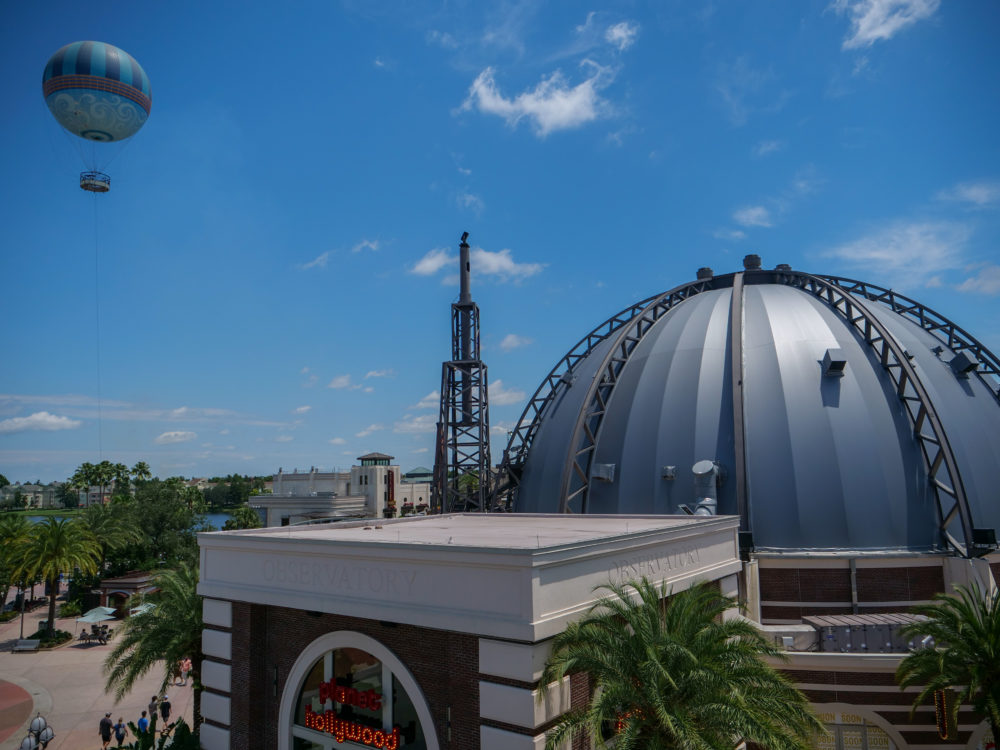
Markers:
point(558, 380)
point(939, 460)
point(575, 483)
point(947, 332)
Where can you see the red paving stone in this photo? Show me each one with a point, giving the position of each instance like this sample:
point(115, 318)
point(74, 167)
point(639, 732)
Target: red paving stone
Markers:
point(15, 708)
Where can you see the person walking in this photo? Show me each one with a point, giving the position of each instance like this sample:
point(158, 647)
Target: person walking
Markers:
point(143, 723)
point(165, 710)
point(104, 729)
point(185, 668)
point(153, 703)
point(120, 731)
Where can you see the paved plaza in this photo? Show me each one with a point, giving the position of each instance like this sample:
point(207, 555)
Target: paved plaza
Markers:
point(66, 685)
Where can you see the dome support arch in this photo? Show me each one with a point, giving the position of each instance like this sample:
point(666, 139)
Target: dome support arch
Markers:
point(954, 515)
point(586, 432)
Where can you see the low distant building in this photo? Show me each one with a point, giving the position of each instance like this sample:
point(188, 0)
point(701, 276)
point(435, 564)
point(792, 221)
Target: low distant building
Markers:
point(374, 488)
point(32, 495)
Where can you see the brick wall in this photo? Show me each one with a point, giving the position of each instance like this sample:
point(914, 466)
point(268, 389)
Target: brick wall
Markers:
point(268, 640)
point(803, 590)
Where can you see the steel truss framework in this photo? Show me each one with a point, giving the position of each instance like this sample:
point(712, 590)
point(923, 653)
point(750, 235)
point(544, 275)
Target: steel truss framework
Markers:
point(462, 460)
point(842, 295)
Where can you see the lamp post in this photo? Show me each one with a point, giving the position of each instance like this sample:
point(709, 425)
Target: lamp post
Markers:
point(40, 734)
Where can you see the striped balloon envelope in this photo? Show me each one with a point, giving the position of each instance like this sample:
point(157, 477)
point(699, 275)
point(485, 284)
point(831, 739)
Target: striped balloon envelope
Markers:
point(97, 91)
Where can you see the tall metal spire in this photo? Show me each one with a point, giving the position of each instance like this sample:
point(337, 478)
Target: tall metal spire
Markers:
point(462, 449)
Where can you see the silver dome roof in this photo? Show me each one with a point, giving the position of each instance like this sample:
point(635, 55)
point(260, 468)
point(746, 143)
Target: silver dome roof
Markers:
point(812, 459)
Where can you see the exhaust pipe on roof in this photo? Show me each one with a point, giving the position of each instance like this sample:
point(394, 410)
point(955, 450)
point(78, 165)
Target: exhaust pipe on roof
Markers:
point(706, 479)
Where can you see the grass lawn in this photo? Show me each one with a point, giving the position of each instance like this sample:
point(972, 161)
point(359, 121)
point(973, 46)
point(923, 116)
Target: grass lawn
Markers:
point(63, 512)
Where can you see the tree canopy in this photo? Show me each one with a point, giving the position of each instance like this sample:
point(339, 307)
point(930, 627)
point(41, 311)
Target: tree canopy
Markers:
point(668, 672)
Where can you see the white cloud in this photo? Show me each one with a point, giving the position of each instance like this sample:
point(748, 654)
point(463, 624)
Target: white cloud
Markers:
point(622, 35)
point(379, 373)
point(763, 148)
point(729, 234)
point(337, 441)
point(978, 194)
point(909, 253)
point(301, 409)
point(551, 106)
point(743, 88)
point(431, 401)
point(753, 216)
point(365, 245)
point(40, 420)
point(987, 281)
point(513, 341)
point(341, 381)
point(379, 62)
point(501, 264)
point(422, 423)
point(471, 201)
point(879, 20)
point(433, 262)
point(178, 436)
point(319, 261)
point(284, 439)
point(369, 430)
point(442, 39)
point(501, 396)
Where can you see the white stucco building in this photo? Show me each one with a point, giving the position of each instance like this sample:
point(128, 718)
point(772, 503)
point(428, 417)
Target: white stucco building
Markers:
point(371, 489)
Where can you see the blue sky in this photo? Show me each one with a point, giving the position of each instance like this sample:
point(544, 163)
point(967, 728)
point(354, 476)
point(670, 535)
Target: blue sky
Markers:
point(268, 282)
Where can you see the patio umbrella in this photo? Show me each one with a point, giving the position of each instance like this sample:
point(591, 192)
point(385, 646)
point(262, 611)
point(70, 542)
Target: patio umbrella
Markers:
point(104, 610)
point(95, 616)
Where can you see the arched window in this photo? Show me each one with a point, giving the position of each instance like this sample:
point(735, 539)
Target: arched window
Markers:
point(348, 690)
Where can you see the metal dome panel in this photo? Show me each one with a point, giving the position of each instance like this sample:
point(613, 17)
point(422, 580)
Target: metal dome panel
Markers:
point(832, 462)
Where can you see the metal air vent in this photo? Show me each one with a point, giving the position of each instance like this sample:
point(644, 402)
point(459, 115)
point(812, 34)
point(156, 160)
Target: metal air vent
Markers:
point(834, 363)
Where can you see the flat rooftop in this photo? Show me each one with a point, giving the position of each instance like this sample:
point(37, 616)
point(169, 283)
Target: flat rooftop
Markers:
point(510, 531)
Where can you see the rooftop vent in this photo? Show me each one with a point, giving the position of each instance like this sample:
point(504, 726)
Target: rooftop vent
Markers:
point(962, 364)
point(705, 273)
point(706, 478)
point(834, 363)
point(604, 472)
point(782, 267)
point(751, 262)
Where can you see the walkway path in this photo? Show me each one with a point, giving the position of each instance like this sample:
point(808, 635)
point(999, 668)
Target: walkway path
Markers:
point(66, 685)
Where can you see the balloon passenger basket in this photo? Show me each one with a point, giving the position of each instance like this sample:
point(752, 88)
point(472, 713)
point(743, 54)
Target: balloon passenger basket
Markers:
point(95, 182)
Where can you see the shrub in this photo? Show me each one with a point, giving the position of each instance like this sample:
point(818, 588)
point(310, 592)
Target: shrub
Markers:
point(70, 609)
point(59, 637)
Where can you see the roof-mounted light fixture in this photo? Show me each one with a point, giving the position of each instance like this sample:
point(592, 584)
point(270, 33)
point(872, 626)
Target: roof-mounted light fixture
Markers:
point(962, 364)
point(834, 363)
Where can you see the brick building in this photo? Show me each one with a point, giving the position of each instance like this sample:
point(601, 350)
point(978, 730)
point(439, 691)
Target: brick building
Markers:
point(426, 632)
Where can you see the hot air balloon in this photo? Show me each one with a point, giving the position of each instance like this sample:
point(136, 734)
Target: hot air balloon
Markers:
point(97, 92)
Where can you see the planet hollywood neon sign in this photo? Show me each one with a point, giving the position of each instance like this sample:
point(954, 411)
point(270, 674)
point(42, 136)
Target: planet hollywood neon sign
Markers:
point(344, 729)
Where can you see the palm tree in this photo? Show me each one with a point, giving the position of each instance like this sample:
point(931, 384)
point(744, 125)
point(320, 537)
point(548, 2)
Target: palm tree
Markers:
point(15, 530)
point(671, 673)
point(141, 471)
point(966, 657)
point(56, 545)
point(113, 527)
point(160, 637)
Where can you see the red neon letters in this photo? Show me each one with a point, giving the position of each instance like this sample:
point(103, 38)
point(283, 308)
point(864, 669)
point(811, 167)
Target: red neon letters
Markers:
point(342, 730)
point(368, 699)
